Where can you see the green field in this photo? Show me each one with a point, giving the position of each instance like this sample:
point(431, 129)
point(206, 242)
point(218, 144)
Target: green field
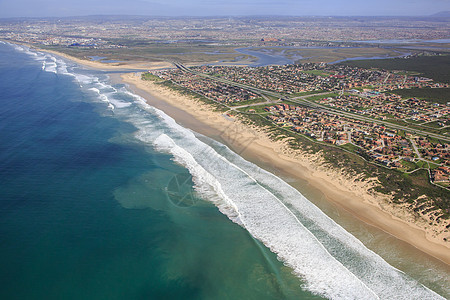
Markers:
point(441, 95)
point(320, 97)
point(350, 147)
point(150, 77)
point(306, 93)
point(434, 67)
point(317, 73)
point(137, 50)
point(246, 102)
point(259, 109)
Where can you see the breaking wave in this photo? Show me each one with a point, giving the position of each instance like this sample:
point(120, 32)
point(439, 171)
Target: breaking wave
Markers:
point(330, 261)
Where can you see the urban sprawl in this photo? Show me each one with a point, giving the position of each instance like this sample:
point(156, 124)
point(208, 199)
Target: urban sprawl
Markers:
point(352, 108)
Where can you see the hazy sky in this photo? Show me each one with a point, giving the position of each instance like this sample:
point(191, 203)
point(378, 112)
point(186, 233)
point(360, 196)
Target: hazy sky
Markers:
point(43, 8)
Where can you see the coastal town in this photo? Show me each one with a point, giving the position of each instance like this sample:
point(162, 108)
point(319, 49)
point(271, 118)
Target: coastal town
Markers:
point(336, 105)
point(355, 109)
point(292, 31)
point(225, 150)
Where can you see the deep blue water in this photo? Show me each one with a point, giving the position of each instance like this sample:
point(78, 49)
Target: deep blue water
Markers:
point(105, 197)
point(64, 161)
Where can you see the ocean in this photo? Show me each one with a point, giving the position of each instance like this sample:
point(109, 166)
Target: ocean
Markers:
point(106, 197)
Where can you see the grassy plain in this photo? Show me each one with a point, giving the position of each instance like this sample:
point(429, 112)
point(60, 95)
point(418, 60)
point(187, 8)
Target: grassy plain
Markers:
point(144, 51)
point(434, 67)
point(200, 52)
point(441, 95)
point(334, 54)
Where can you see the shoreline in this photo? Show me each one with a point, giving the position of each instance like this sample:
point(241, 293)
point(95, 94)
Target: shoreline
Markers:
point(254, 145)
point(115, 66)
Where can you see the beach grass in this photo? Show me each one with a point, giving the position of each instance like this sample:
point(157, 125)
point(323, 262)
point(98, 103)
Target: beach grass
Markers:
point(403, 187)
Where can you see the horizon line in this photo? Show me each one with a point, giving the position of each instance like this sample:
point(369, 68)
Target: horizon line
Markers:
point(435, 15)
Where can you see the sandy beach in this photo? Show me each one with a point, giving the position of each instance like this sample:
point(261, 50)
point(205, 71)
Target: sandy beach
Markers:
point(351, 195)
point(116, 66)
point(254, 144)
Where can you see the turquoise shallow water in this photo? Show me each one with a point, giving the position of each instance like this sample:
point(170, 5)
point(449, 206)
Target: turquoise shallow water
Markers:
point(84, 213)
point(105, 197)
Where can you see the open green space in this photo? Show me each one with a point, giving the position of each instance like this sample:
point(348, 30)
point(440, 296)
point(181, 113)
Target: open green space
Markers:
point(400, 185)
point(437, 95)
point(139, 50)
point(259, 109)
point(150, 77)
point(411, 166)
point(434, 124)
point(350, 147)
point(434, 67)
point(306, 93)
point(247, 102)
point(317, 73)
point(335, 54)
point(320, 97)
point(292, 103)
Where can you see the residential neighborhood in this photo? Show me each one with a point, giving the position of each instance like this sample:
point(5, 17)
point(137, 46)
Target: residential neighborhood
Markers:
point(331, 90)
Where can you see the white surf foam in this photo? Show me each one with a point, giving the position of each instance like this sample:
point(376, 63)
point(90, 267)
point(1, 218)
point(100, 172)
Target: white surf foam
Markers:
point(298, 234)
point(50, 63)
point(119, 104)
point(62, 66)
point(109, 97)
point(205, 182)
point(53, 64)
point(331, 262)
point(369, 267)
point(18, 47)
point(84, 79)
point(257, 218)
point(50, 67)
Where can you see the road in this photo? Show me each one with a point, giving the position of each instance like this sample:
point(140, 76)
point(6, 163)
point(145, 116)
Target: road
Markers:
point(302, 100)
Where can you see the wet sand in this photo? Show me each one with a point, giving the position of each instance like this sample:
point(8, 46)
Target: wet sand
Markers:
point(255, 145)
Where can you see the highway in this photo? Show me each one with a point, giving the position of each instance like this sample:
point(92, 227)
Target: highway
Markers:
point(302, 100)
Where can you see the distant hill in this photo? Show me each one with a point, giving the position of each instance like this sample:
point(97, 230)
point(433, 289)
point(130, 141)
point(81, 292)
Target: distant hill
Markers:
point(442, 14)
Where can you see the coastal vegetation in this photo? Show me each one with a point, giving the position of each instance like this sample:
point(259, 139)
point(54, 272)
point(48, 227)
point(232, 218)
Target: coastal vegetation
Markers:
point(366, 144)
point(435, 67)
point(184, 91)
point(200, 52)
point(408, 185)
point(150, 77)
point(328, 96)
point(150, 51)
point(405, 188)
point(438, 95)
